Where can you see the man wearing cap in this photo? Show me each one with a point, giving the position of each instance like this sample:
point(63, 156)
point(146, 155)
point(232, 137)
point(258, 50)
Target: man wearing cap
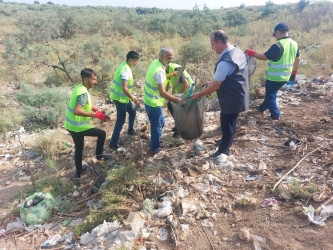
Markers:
point(283, 62)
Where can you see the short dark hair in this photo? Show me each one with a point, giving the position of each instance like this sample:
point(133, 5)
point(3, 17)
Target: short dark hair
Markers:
point(87, 73)
point(220, 35)
point(132, 55)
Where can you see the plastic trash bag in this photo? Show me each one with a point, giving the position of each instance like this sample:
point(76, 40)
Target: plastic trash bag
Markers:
point(37, 208)
point(189, 114)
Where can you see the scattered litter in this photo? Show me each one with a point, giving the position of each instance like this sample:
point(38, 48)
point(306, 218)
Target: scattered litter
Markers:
point(185, 227)
point(136, 220)
point(251, 177)
point(181, 192)
point(165, 208)
point(37, 208)
point(198, 146)
point(247, 236)
point(284, 192)
point(320, 196)
point(17, 224)
point(206, 223)
point(162, 234)
point(270, 202)
point(246, 199)
point(148, 207)
point(201, 187)
point(73, 223)
point(189, 205)
point(51, 242)
point(326, 212)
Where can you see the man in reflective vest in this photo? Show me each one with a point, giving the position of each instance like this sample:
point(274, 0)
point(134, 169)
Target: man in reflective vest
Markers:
point(231, 82)
point(121, 93)
point(77, 119)
point(283, 62)
point(155, 94)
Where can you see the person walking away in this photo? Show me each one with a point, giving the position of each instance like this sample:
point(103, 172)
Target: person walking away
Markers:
point(121, 92)
point(231, 82)
point(155, 94)
point(283, 62)
point(77, 119)
point(185, 81)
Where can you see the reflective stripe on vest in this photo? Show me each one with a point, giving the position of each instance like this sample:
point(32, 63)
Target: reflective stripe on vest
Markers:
point(152, 95)
point(73, 122)
point(281, 70)
point(116, 89)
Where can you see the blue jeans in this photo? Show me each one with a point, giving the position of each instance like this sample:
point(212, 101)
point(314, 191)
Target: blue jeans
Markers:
point(271, 89)
point(122, 108)
point(228, 127)
point(156, 118)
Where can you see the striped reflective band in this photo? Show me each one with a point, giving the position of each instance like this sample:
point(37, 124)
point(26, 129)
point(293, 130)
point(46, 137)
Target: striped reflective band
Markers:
point(118, 94)
point(275, 66)
point(151, 87)
point(121, 85)
point(70, 109)
point(153, 96)
point(76, 123)
point(278, 73)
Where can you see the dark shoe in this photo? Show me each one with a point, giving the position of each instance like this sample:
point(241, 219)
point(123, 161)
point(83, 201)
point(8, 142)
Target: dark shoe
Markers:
point(115, 147)
point(103, 157)
point(174, 129)
point(175, 134)
point(83, 170)
point(259, 109)
point(152, 153)
point(132, 133)
point(218, 153)
point(275, 118)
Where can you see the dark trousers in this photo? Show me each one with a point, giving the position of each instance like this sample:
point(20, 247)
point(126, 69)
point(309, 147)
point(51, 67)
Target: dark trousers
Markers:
point(122, 108)
point(78, 138)
point(228, 127)
point(271, 88)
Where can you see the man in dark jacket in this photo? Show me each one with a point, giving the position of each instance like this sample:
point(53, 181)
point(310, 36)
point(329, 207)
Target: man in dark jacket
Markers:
point(232, 86)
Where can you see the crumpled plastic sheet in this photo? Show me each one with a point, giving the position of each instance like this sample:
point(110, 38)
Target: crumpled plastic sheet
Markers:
point(326, 212)
point(270, 202)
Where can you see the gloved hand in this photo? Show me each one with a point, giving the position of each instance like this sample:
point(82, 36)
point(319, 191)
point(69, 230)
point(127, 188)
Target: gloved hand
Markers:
point(250, 52)
point(100, 115)
point(293, 76)
point(94, 109)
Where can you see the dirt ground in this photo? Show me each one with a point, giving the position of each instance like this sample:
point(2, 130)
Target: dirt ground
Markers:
point(306, 119)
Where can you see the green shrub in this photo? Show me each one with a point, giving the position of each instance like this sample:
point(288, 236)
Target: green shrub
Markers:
point(43, 106)
point(10, 117)
point(50, 143)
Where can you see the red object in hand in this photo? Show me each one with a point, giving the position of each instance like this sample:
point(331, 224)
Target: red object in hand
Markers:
point(94, 109)
point(101, 116)
point(250, 52)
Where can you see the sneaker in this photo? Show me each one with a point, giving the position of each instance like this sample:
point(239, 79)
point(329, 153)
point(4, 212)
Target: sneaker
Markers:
point(218, 153)
point(275, 118)
point(259, 109)
point(174, 129)
point(132, 133)
point(103, 157)
point(115, 147)
point(83, 170)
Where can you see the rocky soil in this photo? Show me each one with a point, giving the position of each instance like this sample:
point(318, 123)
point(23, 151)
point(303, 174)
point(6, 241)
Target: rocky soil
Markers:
point(227, 203)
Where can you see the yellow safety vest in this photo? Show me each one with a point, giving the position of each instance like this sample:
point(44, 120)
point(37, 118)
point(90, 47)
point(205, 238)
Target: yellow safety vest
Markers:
point(152, 95)
point(172, 67)
point(280, 71)
point(73, 122)
point(116, 90)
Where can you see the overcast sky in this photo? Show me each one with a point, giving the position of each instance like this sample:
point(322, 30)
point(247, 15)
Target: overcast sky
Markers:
point(173, 4)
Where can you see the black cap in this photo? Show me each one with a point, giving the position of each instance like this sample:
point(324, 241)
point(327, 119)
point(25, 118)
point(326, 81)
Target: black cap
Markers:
point(280, 26)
